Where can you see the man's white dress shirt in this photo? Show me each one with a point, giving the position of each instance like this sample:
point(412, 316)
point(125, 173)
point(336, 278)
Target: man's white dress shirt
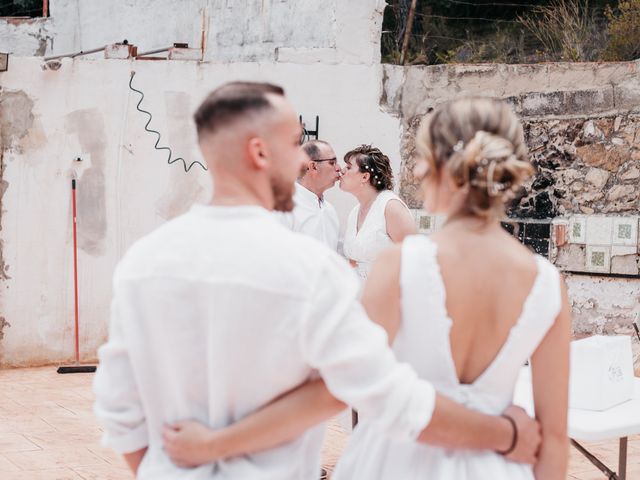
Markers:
point(314, 217)
point(220, 311)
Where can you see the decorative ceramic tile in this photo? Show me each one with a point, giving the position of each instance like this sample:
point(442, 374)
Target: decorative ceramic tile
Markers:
point(426, 223)
point(625, 265)
point(539, 246)
point(572, 258)
point(598, 259)
point(560, 234)
point(621, 251)
point(599, 230)
point(625, 231)
point(578, 230)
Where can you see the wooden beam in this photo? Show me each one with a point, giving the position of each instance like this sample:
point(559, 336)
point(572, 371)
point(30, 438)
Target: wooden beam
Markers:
point(407, 32)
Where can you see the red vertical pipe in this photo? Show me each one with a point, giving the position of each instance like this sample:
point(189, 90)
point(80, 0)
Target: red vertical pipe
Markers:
point(75, 267)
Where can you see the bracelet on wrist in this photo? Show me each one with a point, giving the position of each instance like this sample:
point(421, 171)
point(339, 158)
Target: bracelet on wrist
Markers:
point(514, 438)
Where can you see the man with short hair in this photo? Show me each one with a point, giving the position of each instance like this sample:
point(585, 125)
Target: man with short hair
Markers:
point(313, 215)
point(222, 310)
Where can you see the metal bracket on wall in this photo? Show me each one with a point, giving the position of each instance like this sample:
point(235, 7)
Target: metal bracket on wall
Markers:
point(306, 133)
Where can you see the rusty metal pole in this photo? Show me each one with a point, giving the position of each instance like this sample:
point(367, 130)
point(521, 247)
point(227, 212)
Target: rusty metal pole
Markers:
point(407, 32)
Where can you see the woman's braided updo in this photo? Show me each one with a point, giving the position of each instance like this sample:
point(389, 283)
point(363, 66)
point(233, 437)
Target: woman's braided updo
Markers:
point(371, 160)
point(480, 143)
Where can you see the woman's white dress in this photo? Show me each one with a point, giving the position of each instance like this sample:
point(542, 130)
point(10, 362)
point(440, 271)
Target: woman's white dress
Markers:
point(364, 245)
point(423, 342)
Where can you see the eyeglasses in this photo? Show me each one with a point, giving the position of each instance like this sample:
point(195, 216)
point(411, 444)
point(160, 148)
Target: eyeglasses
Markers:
point(331, 160)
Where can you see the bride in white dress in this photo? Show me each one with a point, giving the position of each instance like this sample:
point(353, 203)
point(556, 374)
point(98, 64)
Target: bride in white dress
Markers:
point(469, 305)
point(381, 218)
point(465, 308)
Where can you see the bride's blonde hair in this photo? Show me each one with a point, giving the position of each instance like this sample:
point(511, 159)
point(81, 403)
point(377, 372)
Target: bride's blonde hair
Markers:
point(480, 143)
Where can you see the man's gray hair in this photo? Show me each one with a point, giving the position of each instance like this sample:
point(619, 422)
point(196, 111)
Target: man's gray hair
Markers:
point(312, 149)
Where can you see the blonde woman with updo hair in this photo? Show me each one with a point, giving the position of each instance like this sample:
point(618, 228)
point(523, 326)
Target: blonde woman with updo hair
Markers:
point(381, 218)
point(465, 308)
point(469, 305)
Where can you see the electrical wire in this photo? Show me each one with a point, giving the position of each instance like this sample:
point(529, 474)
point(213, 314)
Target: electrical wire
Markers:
point(524, 5)
point(150, 130)
point(444, 17)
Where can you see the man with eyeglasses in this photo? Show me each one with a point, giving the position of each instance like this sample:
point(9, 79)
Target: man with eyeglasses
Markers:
point(312, 214)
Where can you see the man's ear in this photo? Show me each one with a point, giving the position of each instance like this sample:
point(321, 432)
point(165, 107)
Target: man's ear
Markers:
point(258, 153)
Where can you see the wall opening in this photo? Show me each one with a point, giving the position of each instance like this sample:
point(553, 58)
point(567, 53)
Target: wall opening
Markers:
point(25, 8)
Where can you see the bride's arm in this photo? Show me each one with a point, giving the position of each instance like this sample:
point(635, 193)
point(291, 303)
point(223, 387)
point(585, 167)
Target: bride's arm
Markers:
point(550, 371)
point(190, 443)
point(399, 221)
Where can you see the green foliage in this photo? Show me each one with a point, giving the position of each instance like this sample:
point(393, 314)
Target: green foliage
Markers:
point(505, 31)
point(568, 30)
point(505, 45)
point(624, 31)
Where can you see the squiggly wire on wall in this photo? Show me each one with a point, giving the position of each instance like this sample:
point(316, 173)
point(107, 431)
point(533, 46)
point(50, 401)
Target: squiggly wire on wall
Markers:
point(146, 127)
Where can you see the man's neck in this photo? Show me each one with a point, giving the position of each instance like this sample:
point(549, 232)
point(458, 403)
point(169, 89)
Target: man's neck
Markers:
point(318, 192)
point(231, 191)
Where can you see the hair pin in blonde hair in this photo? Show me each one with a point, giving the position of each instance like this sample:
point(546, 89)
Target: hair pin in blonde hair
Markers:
point(493, 188)
point(458, 147)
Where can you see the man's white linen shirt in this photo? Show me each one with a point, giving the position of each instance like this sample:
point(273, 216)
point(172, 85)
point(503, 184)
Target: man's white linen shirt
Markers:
point(314, 217)
point(220, 311)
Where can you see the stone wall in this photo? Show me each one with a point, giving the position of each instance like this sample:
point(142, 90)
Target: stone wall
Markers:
point(583, 166)
point(582, 126)
point(581, 123)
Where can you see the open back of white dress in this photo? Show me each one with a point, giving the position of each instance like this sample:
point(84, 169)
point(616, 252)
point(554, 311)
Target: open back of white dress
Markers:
point(423, 342)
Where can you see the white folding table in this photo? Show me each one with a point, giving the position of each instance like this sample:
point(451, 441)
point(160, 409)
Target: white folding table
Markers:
point(618, 422)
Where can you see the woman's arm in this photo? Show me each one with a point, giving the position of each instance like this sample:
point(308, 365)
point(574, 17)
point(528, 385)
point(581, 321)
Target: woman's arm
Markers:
point(399, 221)
point(550, 374)
point(190, 443)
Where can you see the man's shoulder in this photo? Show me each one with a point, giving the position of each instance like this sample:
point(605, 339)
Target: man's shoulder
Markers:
point(160, 242)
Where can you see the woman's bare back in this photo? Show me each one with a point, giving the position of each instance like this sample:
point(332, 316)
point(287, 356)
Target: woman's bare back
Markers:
point(488, 276)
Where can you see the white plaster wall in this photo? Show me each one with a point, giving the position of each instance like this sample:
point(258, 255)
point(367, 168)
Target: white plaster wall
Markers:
point(299, 31)
point(605, 306)
point(125, 187)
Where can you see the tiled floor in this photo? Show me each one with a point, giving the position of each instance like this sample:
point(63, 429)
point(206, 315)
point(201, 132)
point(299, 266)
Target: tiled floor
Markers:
point(48, 432)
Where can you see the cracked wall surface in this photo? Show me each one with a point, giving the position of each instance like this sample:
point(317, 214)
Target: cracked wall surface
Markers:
point(125, 188)
point(229, 31)
point(582, 126)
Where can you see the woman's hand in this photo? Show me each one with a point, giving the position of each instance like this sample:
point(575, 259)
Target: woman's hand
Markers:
point(189, 443)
